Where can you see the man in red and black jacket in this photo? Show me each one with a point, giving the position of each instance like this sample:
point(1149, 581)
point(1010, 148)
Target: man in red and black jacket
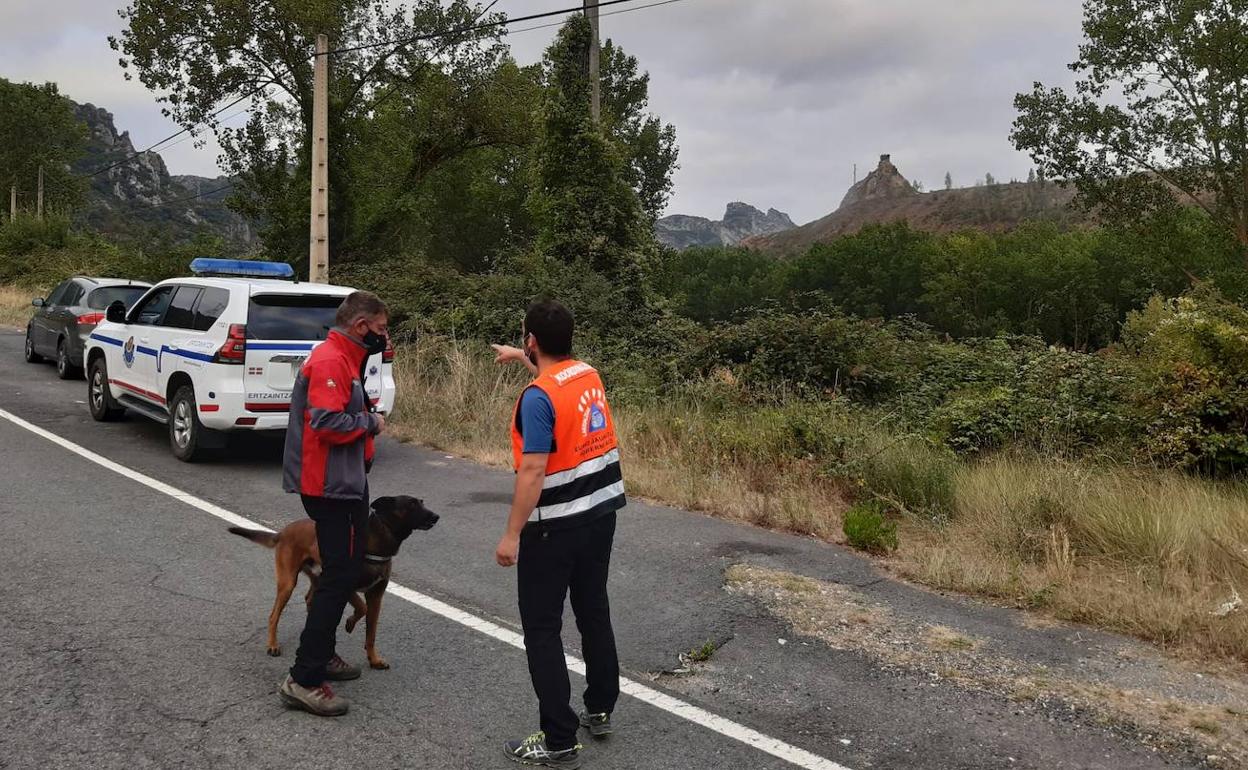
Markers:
point(329, 448)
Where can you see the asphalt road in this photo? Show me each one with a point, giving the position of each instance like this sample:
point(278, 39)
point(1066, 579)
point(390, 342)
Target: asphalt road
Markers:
point(133, 626)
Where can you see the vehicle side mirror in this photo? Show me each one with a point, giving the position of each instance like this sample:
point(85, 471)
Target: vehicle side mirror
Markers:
point(37, 302)
point(116, 312)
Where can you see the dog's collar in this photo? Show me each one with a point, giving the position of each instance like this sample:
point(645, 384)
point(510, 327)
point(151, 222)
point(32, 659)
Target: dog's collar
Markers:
point(377, 559)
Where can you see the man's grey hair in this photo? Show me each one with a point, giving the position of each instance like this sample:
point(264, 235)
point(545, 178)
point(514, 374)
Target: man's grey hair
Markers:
point(357, 304)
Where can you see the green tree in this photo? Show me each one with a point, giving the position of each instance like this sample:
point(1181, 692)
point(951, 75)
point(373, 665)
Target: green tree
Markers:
point(583, 206)
point(1159, 113)
point(877, 272)
point(647, 144)
point(199, 57)
point(38, 128)
point(717, 283)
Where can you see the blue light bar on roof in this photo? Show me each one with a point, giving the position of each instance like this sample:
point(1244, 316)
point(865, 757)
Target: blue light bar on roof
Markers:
point(246, 268)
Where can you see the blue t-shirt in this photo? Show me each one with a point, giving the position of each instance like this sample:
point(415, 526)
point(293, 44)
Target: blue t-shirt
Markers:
point(537, 422)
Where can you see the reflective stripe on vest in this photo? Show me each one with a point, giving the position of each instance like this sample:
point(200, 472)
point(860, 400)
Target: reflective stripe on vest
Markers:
point(583, 467)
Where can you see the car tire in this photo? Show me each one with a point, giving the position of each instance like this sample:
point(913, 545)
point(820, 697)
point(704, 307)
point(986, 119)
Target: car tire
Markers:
point(65, 368)
point(188, 438)
point(31, 356)
point(99, 398)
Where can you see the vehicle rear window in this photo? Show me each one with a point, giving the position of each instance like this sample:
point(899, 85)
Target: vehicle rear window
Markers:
point(104, 296)
point(291, 316)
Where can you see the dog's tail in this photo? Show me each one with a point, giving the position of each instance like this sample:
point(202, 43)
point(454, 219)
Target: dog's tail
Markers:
point(264, 538)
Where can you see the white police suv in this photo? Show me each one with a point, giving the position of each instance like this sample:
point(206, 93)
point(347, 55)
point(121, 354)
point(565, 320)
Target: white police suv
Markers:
point(217, 352)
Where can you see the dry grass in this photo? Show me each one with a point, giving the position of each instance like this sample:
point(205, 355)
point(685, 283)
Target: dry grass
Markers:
point(15, 307)
point(1141, 552)
point(452, 396)
point(1146, 553)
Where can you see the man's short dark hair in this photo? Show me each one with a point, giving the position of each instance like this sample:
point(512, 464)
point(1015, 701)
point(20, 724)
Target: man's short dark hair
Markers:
point(551, 323)
point(359, 303)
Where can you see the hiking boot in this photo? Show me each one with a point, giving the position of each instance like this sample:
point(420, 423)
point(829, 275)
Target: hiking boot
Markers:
point(318, 700)
point(338, 670)
point(533, 751)
point(599, 725)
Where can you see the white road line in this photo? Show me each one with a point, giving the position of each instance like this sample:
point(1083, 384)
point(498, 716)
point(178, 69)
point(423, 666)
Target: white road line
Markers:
point(699, 716)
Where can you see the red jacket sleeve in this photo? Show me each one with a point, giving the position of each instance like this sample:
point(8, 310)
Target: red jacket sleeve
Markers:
point(329, 394)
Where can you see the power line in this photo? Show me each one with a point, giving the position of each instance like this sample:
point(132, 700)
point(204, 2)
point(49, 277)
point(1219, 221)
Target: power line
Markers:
point(203, 194)
point(474, 27)
point(175, 135)
point(193, 135)
point(430, 57)
point(470, 28)
point(608, 13)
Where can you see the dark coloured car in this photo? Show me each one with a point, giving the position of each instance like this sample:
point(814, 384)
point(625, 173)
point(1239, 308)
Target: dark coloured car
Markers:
point(63, 321)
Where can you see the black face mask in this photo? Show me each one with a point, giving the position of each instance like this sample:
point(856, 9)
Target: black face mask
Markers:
point(374, 343)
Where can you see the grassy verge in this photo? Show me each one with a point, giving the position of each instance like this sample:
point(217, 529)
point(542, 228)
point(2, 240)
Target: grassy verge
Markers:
point(1135, 550)
point(15, 307)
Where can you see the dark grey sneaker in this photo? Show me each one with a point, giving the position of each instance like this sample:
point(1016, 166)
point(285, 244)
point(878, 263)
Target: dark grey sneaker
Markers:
point(533, 751)
point(318, 700)
point(599, 725)
point(338, 670)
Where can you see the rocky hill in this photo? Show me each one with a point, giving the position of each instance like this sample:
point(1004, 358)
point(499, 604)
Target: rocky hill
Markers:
point(740, 221)
point(139, 196)
point(886, 196)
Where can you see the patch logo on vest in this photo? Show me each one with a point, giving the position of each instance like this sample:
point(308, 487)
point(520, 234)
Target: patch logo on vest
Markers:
point(593, 409)
point(127, 353)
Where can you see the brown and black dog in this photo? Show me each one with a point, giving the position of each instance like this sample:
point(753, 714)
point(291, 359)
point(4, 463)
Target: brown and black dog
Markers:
point(391, 521)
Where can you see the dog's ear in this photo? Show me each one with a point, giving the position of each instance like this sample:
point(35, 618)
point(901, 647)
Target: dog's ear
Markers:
point(384, 504)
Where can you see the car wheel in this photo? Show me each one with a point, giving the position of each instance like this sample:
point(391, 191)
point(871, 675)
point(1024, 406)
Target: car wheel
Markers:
point(187, 435)
point(31, 356)
point(65, 368)
point(99, 397)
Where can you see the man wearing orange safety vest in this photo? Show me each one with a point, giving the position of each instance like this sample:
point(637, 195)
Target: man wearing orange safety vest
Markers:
point(560, 532)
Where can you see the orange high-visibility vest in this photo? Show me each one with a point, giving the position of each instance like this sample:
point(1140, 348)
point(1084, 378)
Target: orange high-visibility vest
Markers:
point(583, 470)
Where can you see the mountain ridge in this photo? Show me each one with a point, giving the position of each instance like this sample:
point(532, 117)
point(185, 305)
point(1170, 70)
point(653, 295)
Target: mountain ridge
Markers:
point(131, 191)
point(740, 221)
point(885, 196)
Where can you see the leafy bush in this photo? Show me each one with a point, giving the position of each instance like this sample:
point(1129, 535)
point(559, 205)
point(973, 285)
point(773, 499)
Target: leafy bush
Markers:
point(42, 254)
point(816, 353)
point(1192, 357)
point(867, 529)
point(21, 236)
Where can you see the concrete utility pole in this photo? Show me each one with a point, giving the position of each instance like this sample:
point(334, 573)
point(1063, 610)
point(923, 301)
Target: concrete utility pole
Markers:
point(39, 199)
point(318, 247)
point(591, 12)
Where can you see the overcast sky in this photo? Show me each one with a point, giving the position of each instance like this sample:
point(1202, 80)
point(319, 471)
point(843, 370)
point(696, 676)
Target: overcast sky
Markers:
point(774, 101)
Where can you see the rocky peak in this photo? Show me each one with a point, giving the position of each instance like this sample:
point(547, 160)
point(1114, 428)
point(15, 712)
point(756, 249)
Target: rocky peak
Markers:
point(883, 183)
point(143, 178)
point(740, 221)
point(126, 189)
point(743, 217)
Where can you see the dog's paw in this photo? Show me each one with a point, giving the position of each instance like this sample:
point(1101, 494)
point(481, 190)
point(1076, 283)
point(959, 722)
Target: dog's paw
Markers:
point(379, 664)
point(274, 652)
point(351, 624)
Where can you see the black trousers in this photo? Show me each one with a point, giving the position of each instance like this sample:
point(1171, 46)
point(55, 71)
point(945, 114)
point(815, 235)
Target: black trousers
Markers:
point(554, 563)
point(340, 537)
